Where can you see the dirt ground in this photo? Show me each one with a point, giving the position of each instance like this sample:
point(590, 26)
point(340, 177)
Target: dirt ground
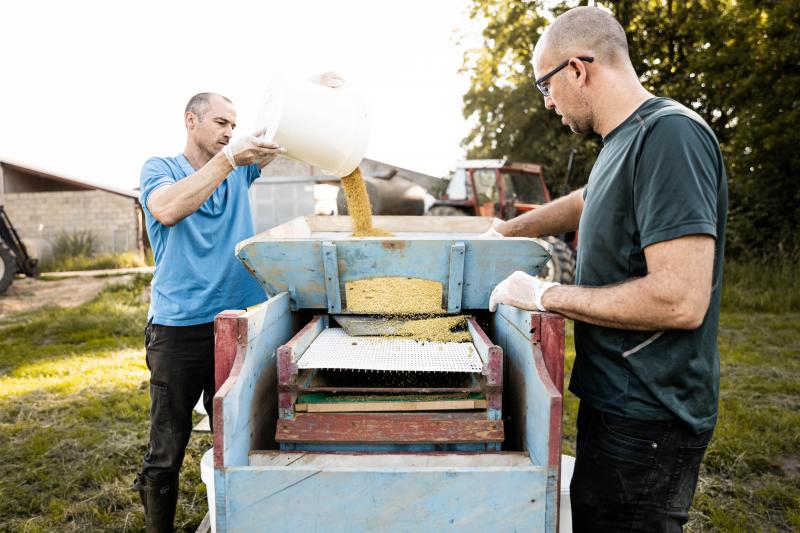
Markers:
point(28, 294)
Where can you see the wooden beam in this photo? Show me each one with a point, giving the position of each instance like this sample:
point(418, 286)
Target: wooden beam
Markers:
point(551, 333)
point(227, 342)
point(366, 407)
point(372, 428)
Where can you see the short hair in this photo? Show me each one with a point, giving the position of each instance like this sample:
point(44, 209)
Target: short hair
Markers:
point(199, 103)
point(588, 28)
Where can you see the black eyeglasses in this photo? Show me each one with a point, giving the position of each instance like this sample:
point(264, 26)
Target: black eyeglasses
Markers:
point(546, 90)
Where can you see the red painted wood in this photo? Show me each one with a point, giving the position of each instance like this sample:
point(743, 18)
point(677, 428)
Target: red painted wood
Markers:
point(230, 347)
point(390, 428)
point(494, 379)
point(287, 369)
point(548, 354)
point(552, 339)
point(226, 342)
point(493, 369)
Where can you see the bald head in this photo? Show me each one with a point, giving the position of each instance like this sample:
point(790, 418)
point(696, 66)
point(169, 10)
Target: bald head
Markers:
point(582, 30)
point(198, 104)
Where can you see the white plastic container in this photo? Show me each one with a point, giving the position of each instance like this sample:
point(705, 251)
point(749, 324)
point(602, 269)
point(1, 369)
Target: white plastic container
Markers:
point(324, 127)
point(565, 506)
point(207, 475)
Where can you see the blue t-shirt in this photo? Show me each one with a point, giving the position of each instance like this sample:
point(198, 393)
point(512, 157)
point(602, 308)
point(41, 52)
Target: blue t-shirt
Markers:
point(197, 274)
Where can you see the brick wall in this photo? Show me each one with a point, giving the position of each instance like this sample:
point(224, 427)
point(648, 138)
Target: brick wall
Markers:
point(39, 217)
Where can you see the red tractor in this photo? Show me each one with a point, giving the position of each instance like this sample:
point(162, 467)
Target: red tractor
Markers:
point(479, 187)
point(502, 189)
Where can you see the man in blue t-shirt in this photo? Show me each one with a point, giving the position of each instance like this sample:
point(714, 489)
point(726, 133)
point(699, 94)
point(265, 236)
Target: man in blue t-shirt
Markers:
point(196, 209)
point(648, 280)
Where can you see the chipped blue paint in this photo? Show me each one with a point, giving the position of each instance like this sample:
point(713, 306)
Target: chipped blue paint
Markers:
point(355, 499)
point(272, 322)
point(281, 263)
point(331, 499)
point(513, 334)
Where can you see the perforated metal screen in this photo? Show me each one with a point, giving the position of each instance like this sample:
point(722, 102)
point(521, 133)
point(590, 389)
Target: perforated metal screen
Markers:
point(335, 349)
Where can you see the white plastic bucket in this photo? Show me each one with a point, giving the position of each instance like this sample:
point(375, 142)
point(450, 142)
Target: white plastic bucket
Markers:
point(565, 506)
point(207, 475)
point(324, 127)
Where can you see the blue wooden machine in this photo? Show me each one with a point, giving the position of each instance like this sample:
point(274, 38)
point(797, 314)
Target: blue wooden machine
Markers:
point(320, 430)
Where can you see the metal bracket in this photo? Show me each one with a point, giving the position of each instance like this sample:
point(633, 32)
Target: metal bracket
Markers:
point(331, 265)
point(455, 283)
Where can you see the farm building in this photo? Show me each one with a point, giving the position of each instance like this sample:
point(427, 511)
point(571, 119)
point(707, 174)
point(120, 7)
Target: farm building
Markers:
point(42, 205)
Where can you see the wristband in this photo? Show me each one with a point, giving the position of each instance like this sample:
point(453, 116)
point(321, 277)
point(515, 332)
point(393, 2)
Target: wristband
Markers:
point(229, 155)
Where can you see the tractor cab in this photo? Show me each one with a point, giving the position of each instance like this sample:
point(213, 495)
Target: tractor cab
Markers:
point(493, 187)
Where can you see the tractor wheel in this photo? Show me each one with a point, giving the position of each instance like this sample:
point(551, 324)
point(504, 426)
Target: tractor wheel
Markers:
point(8, 268)
point(561, 267)
point(445, 211)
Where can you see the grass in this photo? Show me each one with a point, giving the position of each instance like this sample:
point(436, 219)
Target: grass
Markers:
point(750, 477)
point(73, 419)
point(768, 286)
point(95, 262)
point(76, 251)
point(74, 404)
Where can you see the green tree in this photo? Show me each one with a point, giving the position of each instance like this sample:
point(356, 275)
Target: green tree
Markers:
point(735, 63)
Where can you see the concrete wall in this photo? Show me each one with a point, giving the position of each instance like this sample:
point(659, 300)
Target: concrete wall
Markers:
point(39, 217)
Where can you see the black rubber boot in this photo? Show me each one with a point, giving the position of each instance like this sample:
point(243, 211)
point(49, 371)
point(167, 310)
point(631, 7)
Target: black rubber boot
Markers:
point(160, 500)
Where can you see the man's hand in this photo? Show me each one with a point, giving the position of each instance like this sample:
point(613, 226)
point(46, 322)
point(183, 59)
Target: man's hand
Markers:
point(251, 149)
point(328, 79)
point(520, 290)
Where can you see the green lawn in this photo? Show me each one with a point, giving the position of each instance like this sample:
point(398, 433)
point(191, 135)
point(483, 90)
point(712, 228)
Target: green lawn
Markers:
point(750, 478)
point(73, 419)
point(74, 402)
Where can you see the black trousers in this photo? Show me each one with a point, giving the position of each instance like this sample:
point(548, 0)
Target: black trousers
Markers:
point(633, 475)
point(181, 363)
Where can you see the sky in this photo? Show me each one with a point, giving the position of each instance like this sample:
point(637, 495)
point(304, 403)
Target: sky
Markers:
point(92, 89)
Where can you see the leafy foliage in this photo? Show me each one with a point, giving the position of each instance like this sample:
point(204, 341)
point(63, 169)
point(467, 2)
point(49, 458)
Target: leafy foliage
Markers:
point(75, 243)
point(737, 63)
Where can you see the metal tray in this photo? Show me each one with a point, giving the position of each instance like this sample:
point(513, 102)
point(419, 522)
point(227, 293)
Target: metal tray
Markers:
point(313, 257)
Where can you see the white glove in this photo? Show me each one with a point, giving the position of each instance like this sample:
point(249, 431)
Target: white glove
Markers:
point(328, 79)
point(520, 290)
point(251, 149)
point(492, 232)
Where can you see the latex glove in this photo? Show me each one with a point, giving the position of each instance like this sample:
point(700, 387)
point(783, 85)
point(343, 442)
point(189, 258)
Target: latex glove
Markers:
point(251, 149)
point(520, 290)
point(328, 79)
point(492, 232)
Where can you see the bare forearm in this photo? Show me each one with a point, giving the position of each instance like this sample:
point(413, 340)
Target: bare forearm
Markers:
point(559, 216)
point(175, 202)
point(644, 304)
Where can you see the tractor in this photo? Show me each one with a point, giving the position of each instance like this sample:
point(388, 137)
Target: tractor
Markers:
point(502, 189)
point(479, 187)
point(14, 257)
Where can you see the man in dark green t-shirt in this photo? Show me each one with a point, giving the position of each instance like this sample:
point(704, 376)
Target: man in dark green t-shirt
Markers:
point(648, 282)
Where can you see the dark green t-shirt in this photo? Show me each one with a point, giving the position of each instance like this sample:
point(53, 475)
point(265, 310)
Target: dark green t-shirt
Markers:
point(659, 176)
